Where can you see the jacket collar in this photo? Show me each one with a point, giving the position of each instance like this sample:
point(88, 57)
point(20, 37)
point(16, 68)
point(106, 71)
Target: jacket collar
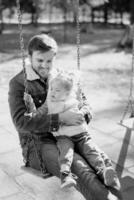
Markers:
point(31, 74)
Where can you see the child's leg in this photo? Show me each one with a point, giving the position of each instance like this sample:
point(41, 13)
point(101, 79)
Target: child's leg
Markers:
point(66, 151)
point(107, 160)
point(91, 153)
point(88, 150)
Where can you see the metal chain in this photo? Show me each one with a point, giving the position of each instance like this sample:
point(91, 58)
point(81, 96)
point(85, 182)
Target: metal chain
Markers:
point(43, 169)
point(21, 43)
point(130, 98)
point(132, 75)
point(38, 152)
point(78, 36)
point(78, 45)
point(26, 160)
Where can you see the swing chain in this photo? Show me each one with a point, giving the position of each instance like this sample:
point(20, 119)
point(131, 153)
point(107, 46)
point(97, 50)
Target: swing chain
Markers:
point(38, 152)
point(132, 75)
point(31, 138)
point(26, 160)
point(19, 14)
point(78, 35)
point(130, 98)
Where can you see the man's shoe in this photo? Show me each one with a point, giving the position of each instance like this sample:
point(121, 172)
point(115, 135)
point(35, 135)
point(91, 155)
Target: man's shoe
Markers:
point(67, 180)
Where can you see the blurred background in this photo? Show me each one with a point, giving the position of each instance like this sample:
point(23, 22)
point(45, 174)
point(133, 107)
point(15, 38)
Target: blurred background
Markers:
point(58, 16)
point(106, 69)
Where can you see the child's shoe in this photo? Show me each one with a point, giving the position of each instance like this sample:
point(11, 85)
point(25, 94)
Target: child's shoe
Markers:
point(109, 175)
point(67, 180)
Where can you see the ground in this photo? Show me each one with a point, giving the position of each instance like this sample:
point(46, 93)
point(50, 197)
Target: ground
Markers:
point(105, 75)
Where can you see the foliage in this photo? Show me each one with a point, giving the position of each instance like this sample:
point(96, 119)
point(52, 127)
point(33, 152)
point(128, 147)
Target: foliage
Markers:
point(37, 6)
point(65, 5)
point(120, 5)
point(27, 6)
point(8, 3)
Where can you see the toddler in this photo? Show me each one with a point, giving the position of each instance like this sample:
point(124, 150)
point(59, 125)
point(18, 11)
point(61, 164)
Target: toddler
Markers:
point(63, 95)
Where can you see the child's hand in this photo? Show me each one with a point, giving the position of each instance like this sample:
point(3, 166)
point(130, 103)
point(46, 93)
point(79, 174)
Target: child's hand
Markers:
point(27, 98)
point(29, 102)
point(71, 118)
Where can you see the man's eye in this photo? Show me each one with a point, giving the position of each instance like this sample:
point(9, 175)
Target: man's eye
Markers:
point(49, 61)
point(40, 60)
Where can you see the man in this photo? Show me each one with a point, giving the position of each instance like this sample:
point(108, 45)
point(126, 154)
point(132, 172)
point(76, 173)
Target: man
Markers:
point(35, 130)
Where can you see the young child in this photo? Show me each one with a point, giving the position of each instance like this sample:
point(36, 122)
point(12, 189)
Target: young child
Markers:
point(63, 94)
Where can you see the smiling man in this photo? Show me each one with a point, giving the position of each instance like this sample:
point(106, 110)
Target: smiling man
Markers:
point(42, 50)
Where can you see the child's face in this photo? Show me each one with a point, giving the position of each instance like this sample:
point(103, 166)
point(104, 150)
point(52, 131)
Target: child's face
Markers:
point(42, 62)
point(57, 91)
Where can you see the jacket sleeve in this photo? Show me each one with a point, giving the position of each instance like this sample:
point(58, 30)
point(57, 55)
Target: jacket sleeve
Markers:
point(38, 123)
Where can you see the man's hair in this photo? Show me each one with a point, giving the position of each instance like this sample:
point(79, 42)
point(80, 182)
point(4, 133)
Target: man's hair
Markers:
point(43, 43)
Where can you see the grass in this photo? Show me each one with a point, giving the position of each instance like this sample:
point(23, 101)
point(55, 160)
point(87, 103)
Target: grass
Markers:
point(100, 36)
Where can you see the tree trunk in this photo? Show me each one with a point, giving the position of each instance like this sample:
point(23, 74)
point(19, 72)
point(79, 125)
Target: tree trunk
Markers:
point(105, 11)
point(65, 25)
point(34, 15)
point(127, 38)
point(1, 20)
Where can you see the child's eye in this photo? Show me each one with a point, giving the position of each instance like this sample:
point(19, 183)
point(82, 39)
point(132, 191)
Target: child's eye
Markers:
point(49, 61)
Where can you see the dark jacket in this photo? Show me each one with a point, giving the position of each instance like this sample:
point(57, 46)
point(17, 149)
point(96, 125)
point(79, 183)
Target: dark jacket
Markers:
point(39, 123)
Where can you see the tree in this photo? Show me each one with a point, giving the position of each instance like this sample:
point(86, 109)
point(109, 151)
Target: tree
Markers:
point(127, 38)
point(31, 6)
point(65, 6)
point(1, 18)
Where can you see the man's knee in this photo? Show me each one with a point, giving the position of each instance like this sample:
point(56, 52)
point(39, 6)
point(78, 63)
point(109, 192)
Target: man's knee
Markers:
point(50, 157)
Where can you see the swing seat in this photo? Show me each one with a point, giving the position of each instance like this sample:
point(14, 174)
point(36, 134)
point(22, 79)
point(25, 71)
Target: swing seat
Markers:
point(36, 172)
point(128, 123)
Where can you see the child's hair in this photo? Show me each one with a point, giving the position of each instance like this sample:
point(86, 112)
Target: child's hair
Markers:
point(65, 79)
point(43, 43)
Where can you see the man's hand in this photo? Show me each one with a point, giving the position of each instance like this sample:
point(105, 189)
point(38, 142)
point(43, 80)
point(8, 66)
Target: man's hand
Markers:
point(71, 118)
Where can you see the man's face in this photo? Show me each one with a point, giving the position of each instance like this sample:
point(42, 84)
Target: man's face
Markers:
point(42, 62)
point(57, 91)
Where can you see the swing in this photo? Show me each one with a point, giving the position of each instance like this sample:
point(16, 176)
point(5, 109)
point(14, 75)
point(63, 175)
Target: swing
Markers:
point(129, 122)
point(43, 172)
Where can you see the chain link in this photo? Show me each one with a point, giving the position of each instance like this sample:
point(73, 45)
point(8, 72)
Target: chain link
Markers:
point(37, 149)
point(130, 102)
point(19, 14)
point(78, 35)
point(132, 75)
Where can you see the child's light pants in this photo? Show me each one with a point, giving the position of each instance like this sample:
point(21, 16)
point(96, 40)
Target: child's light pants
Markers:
point(84, 145)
